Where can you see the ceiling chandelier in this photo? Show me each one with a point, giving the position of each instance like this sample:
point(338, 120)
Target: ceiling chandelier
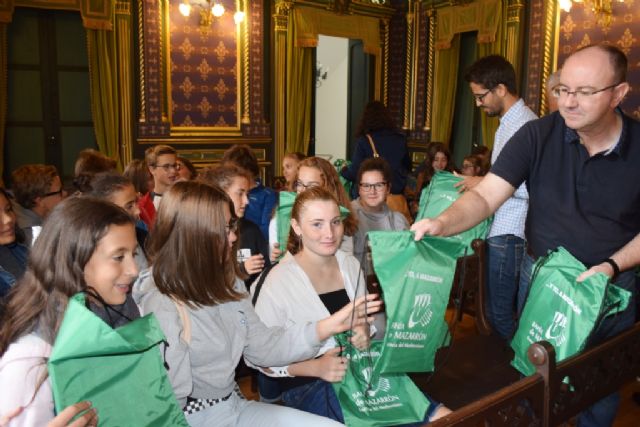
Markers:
point(209, 9)
point(600, 8)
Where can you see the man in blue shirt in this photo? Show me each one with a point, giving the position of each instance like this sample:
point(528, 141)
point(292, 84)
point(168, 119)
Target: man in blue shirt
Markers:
point(581, 169)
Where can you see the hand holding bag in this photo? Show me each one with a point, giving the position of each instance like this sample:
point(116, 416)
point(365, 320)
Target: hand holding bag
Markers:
point(562, 311)
point(438, 196)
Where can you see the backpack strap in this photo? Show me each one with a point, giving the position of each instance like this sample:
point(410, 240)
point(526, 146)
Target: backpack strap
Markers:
point(373, 146)
point(260, 282)
point(186, 321)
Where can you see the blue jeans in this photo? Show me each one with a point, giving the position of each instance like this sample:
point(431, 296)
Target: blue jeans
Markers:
point(268, 388)
point(526, 270)
point(603, 412)
point(504, 256)
point(319, 398)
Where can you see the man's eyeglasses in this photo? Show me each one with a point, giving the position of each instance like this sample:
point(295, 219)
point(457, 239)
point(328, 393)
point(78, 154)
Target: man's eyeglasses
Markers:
point(232, 227)
point(562, 91)
point(479, 97)
point(378, 186)
point(302, 185)
point(53, 193)
point(168, 166)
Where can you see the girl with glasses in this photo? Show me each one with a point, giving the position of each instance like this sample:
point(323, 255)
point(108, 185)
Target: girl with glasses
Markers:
point(318, 172)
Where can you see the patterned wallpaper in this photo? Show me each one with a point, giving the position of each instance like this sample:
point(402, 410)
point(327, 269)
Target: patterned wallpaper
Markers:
point(580, 28)
point(203, 69)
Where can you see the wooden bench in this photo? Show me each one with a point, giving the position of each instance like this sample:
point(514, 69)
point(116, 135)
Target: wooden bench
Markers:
point(519, 404)
point(545, 398)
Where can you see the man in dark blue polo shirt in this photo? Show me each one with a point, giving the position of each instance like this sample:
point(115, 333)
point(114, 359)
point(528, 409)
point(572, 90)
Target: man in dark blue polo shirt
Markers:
point(581, 168)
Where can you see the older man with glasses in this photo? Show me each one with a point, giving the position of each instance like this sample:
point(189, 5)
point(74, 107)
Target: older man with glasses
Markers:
point(580, 165)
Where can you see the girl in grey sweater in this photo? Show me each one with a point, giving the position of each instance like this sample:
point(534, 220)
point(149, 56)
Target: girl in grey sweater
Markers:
point(208, 319)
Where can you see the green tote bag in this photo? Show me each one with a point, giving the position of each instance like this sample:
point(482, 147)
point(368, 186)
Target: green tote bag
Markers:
point(416, 280)
point(370, 399)
point(119, 370)
point(438, 196)
point(562, 311)
point(283, 217)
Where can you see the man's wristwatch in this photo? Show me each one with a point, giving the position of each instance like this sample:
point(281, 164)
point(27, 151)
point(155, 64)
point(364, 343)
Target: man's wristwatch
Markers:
point(614, 266)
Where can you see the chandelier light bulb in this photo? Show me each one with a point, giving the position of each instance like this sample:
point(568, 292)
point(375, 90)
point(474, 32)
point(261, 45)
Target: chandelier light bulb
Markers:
point(217, 10)
point(238, 17)
point(565, 5)
point(185, 9)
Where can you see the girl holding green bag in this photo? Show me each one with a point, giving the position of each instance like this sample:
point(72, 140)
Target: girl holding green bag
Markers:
point(88, 246)
point(209, 320)
point(314, 282)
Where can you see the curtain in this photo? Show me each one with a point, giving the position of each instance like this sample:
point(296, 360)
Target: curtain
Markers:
point(302, 37)
point(299, 93)
point(446, 75)
point(105, 91)
point(489, 125)
point(310, 22)
point(3, 92)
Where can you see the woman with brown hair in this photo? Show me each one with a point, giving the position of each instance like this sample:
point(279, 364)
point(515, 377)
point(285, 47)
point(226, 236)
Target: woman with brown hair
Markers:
point(438, 158)
point(208, 319)
point(313, 283)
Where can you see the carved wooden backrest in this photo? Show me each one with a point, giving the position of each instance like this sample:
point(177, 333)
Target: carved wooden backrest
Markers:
point(519, 404)
point(576, 383)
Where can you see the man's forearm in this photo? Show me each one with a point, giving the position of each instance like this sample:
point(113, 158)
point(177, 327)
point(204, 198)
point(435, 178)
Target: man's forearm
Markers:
point(469, 210)
point(629, 256)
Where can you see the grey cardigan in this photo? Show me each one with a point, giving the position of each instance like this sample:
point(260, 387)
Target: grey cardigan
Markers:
point(220, 335)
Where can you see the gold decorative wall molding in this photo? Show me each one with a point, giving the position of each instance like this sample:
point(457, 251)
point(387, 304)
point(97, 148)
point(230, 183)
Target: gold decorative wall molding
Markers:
point(245, 59)
point(409, 68)
point(281, 22)
point(430, 68)
point(141, 50)
point(384, 27)
point(549, 52)
point(125, 77)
